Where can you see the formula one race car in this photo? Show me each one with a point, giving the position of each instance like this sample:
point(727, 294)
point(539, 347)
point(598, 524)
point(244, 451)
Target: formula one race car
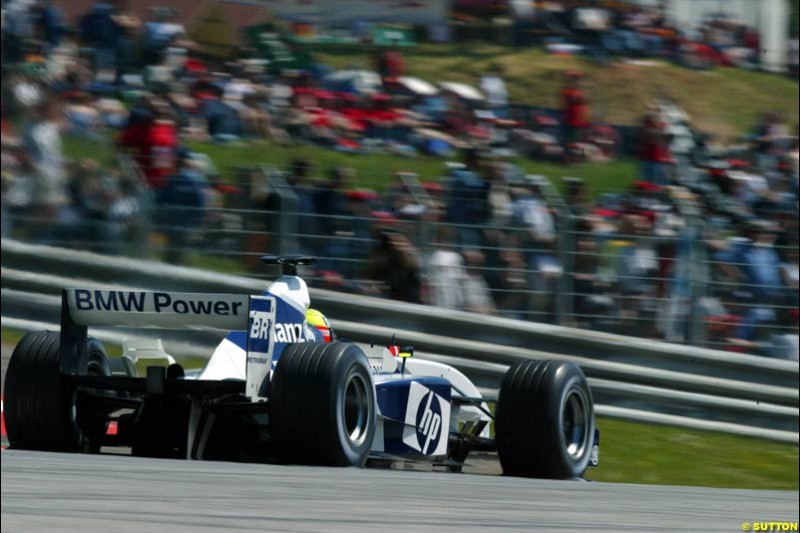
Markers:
point(280, 387)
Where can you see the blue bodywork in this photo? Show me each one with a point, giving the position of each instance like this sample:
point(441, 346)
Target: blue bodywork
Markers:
point(401, 413)
point(412, 423)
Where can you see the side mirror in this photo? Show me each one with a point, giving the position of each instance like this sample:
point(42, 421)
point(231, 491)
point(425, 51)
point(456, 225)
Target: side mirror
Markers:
point(402, 352)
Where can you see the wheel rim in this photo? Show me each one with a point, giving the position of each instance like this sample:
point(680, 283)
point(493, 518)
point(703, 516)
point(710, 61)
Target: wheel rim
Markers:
point(575, 423)
point(356, 408)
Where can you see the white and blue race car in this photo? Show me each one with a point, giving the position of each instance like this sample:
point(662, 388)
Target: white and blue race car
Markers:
point(277, 389)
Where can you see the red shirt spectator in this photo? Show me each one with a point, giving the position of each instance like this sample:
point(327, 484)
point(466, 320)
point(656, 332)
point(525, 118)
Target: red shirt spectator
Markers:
point(154, 144)
point(655, 146)
point(576, 110)
point(576, 105)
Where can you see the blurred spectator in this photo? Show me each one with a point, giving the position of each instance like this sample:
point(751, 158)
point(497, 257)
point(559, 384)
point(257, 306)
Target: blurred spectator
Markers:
point(329, 197)
point(18, 26)
point(49, 23)
point(153, 137)
point(182, 204)
point(159, 33)
point(534, 236)
point(26, 90)
point(42, 142)
point(530, 214)
point(494, 88)
point(299, 179)
point(575, 107)
point(637, 273)
point(390, 65)
point(476, 291)
point(467, 199)
point(82, 114)
point(395, 264)
point(445, 272)
point(770, 141)
point(655, 154)
point(223, 121)
point(499, 195)
point(752, 262)
point(100, 210)
point(99, 31)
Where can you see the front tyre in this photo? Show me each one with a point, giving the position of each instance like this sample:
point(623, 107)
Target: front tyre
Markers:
point(322, 404)
point(544, 423)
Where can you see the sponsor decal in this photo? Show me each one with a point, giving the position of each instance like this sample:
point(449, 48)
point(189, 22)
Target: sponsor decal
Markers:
point(260, 344)
point(427, 422)
point(155, 302)
point(294, 333)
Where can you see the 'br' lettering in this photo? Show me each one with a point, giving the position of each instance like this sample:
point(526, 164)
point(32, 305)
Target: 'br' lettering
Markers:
point(260, 327)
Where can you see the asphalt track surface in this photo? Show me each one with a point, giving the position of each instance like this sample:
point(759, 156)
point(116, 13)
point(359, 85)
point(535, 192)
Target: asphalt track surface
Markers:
point(61, 492)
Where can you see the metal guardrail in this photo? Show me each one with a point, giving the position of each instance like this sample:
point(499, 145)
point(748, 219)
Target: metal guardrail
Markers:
point(631, 378)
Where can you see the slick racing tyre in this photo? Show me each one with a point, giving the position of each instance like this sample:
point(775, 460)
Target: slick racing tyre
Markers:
point(40, 413)
point(322, 404)
point(544, 423)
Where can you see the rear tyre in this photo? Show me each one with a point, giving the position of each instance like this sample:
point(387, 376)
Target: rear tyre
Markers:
point(322, 405)
point(40, 413)
point(544, 423)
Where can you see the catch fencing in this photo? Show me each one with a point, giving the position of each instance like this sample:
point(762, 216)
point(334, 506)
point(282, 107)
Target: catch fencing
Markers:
point(645, 264)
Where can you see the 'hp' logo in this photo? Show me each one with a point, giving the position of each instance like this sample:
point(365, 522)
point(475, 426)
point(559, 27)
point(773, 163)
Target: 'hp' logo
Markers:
point(427, 421)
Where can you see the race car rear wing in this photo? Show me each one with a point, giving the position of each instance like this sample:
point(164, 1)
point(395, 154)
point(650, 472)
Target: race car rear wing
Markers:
point(168, 310)
point(256, 315)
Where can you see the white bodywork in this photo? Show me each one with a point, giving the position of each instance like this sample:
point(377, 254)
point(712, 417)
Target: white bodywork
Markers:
point(421, 367)
point(229, 361)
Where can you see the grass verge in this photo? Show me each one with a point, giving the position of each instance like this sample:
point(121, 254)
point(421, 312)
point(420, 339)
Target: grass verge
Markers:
point(372, 170)
point(723, 101)
point(376, 170)
point(640, 453)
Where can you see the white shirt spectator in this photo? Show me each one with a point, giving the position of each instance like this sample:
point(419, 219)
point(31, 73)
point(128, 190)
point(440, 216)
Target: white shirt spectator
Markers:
point(27, 93)
point(43, 146)
point(477, 298)
point(446, 274)
point(495, 89)
point(535, 215)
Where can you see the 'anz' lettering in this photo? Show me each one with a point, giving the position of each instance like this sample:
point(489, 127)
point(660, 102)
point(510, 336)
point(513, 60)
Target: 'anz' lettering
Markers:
point(290, 333)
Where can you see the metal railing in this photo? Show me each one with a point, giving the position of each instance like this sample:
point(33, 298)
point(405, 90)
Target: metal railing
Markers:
point(631, 378)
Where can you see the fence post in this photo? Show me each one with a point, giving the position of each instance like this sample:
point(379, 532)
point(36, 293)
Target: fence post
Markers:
point(282, 213)
point(566, 253)
point(699, 278)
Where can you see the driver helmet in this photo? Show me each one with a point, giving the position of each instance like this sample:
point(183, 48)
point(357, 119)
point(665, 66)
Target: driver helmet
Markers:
point(318, 320)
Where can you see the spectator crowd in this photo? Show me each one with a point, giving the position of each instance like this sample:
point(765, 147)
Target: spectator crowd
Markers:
point(703, 248)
